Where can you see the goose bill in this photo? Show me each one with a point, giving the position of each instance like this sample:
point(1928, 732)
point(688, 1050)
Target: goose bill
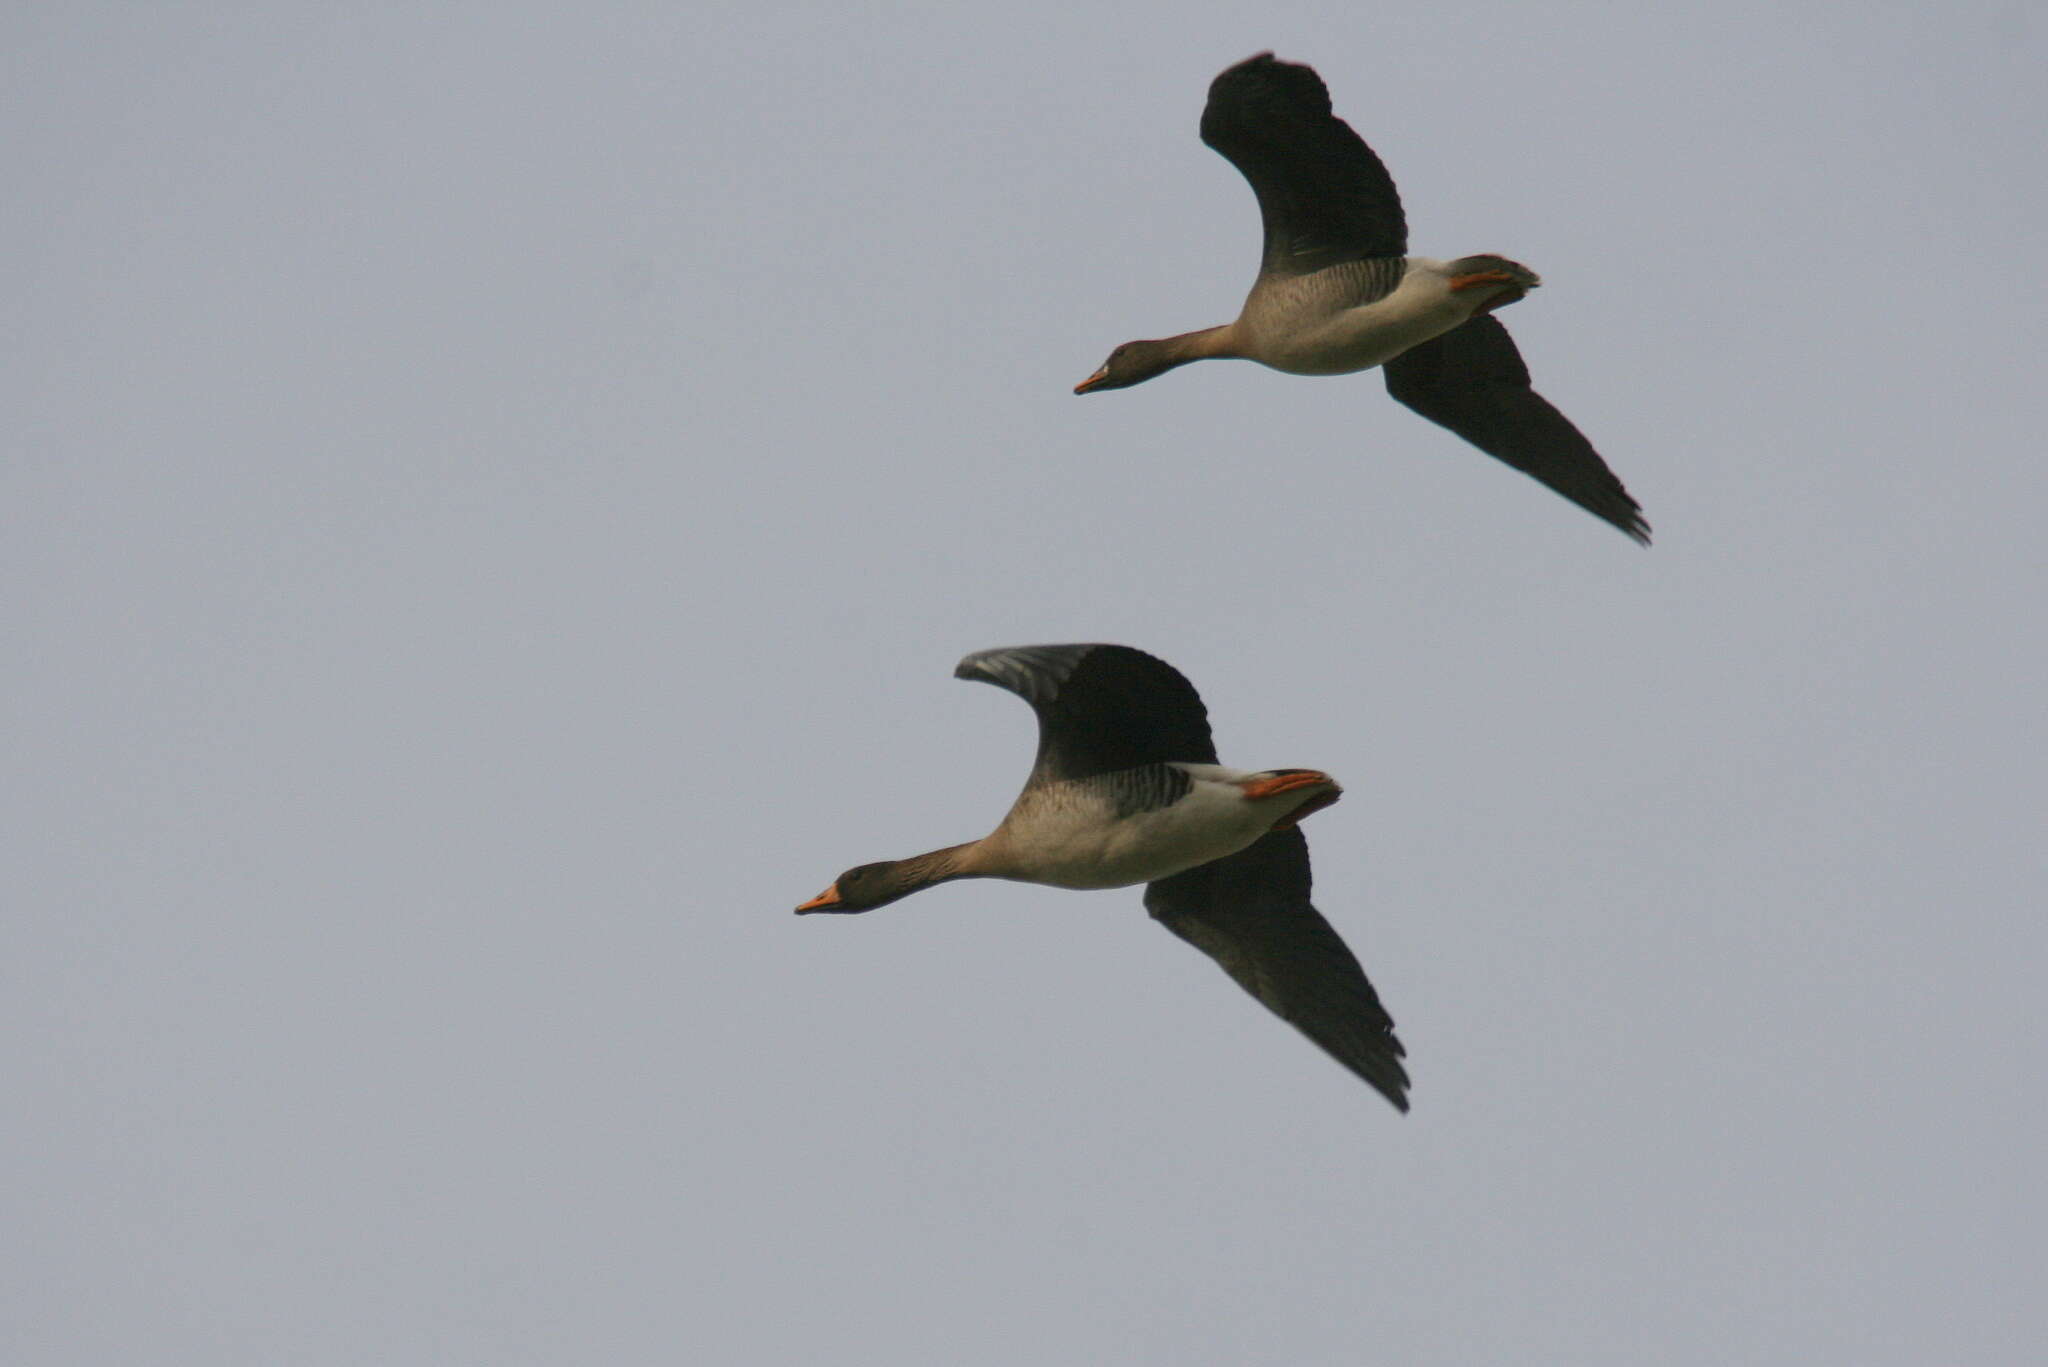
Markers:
point(828, 900)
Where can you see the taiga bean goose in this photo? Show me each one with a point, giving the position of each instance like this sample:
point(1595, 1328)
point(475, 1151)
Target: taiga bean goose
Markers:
point(1126, 789)
point(1337, 292)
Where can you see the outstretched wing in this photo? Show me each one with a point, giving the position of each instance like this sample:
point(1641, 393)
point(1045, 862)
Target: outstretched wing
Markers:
point(1324, 196)
point(1472, 380)
point(1251, 913)
point(1101, 708)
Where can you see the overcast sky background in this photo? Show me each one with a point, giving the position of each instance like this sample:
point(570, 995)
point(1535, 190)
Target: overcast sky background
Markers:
point(495, 494)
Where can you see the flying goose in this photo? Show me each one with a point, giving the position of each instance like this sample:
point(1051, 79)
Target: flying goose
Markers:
point(1337, 292)
point(1126, 789)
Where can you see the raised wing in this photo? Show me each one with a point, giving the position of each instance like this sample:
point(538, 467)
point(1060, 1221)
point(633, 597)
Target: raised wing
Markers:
point(1251, 913)
point(1324, 196)
point(1101, 708)
point(1472, 380)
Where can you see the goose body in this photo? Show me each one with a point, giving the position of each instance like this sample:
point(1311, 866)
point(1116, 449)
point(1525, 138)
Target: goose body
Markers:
point(1287, 327)
point(1122, 829)
point(1337, 292)
point(1125, 790)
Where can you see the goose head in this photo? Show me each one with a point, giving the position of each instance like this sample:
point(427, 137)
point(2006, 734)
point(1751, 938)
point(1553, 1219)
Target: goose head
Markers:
point(868, 886)
point(1134, 363)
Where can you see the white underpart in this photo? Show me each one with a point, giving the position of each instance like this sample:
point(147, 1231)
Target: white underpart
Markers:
point(1422, 306)
point(1072, 844)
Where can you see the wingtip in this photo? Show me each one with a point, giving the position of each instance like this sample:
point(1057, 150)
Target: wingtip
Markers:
point(1614, 507)
point(1379, 1066)
point(1391, 1080)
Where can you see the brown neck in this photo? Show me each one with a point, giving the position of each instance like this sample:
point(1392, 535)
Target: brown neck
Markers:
point(1206, 344)
point(937, 866)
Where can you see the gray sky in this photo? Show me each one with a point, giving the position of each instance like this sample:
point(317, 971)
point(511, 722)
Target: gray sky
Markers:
point(494, 499)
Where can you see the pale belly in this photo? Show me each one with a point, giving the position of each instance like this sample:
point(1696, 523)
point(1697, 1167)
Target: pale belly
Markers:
point(1156, 848)
point(1349, 343)
point(1351, 339)
point(1077, 849)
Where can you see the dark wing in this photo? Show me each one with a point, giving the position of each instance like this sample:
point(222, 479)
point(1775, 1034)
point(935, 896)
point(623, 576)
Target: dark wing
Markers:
point(1472, 380)
point(1100, 708)
point(1251, 913)
point(1324, 196)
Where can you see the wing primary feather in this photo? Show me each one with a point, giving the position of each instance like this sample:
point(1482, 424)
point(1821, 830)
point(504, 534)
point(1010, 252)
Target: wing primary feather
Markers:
point(1100, 708)
point(1473, 381)
point(1324, 196)
point(1251, 913)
